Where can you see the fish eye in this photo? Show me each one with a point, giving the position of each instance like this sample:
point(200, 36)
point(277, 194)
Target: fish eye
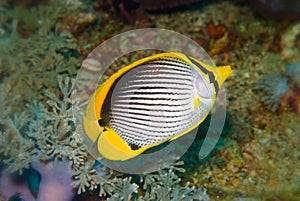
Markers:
point(202, 87)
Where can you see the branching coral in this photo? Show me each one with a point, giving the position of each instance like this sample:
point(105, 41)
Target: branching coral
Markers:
point(4, 100)
point(38, 141)
point(46, 140)
point(30, 64)
point(37, 129)
point(164, 185)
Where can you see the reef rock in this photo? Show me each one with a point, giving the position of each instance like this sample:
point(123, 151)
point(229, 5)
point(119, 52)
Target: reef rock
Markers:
point(278, 9)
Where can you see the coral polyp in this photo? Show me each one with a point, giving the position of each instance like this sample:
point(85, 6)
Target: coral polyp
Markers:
point(293, 72)
point(282, 89)
point(274, 87)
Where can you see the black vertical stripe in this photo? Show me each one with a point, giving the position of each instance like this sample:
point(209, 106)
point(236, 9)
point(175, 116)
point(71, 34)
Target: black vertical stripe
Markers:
point(211, 76)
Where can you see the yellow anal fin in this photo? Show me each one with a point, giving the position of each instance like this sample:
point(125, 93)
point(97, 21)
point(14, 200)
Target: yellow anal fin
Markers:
point(111, 146)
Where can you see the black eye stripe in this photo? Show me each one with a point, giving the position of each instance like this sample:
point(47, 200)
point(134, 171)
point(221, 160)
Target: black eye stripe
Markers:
point(211, 76)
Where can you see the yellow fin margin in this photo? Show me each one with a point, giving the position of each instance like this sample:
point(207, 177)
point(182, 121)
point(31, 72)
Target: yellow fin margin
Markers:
point(90, 121)
point(111, 146)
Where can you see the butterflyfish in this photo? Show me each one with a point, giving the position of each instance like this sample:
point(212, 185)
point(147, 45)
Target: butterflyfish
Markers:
point(149, 102)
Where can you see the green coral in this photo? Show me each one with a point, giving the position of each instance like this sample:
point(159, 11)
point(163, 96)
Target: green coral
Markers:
point(124, 190)
point(31, 63)
point(36, 121)
point(49, 134)
point(165, 185)
point(22, 150)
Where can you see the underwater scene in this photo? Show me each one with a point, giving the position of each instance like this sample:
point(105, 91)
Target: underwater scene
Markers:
point(146, 100)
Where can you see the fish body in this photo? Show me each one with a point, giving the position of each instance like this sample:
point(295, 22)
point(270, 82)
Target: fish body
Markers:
point(151, 101)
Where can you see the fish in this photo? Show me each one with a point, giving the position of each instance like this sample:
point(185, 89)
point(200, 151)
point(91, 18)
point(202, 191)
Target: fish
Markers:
point(151, 101)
